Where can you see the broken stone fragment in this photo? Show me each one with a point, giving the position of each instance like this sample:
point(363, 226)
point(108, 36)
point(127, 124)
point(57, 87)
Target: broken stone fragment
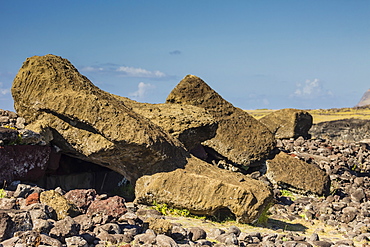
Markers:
point(288, 171)
point(240, 138)
point(190, 124)
point(204, 189)
point(288, 123)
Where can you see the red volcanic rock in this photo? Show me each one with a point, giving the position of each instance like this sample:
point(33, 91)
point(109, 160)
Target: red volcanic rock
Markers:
point(33, 198)
point(82, 198)
point(113, 207)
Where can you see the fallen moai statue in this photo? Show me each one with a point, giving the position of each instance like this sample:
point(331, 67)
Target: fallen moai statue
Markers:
point(240, 138)
point(90, 124)
point(205, 189)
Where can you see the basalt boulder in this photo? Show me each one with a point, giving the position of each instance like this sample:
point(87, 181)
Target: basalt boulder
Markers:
point(90, 124)
point(240, 138)
point(288, 123)
point(23, 162)
point(206, 190)
point(287, 171)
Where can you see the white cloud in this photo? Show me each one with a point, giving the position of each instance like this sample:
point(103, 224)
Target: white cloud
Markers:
point(123, 71)
point(142, 90)
point(92, 69)
point(311, 89)
point(3, 91)
point(139, 72)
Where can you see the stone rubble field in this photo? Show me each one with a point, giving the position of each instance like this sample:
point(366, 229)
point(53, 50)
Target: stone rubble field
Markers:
point(84, 218)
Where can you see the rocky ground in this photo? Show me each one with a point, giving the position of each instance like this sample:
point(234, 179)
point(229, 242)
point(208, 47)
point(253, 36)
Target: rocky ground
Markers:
point(174, 160)
point(83, 218)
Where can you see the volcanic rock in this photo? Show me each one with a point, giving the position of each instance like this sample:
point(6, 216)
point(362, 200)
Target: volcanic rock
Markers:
point(288, 123)
point(5, 226)
point(23, 162)
point(8, 135)
point(62, 206)
point(11, 119)
point(113, 207)
point(239, 137)
point(205, 189)
point(90, 124)
point(12, 221)
point(349, 130)
point(286, 170)
point(82, 198)
point(191, 125)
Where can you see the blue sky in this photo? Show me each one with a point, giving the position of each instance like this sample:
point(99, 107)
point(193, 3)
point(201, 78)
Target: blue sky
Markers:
point(304, 54)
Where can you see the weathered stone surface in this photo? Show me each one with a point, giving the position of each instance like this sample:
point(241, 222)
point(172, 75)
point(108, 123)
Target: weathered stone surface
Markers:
point(239, 137)
point(85, 221)
point(23, 162)
point(65, 228)
point(12, 221)
point(29, 137)
point(24, 190)
point(41, 211)
point(159, 226)
point(190, 124)
point(33, 198)
point(62, 206)
point(88, 123)
point(286, 170)
point(81, 198)
point(76, 241)
point(5, 226)
point(288, 123)
point(11, 119)
point(165, 241)
point(7, 203)
point(205, 189)
point(29, 238)
point(8, 135)
point(146, 238)
point(196, 233)
point(349, 130)
point(113, 207)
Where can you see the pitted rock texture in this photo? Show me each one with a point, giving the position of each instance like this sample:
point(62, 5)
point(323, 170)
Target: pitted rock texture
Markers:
point(11, 119)
point(8, 135)
point(205, 189)
point(287, 171)
point(349, 130)
point(112, 207)
point(60, 204)
point(34, 225)
point(191, 125)
point(288, 123)
point(23, 162)
point(239, 137)
point(89, 123)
